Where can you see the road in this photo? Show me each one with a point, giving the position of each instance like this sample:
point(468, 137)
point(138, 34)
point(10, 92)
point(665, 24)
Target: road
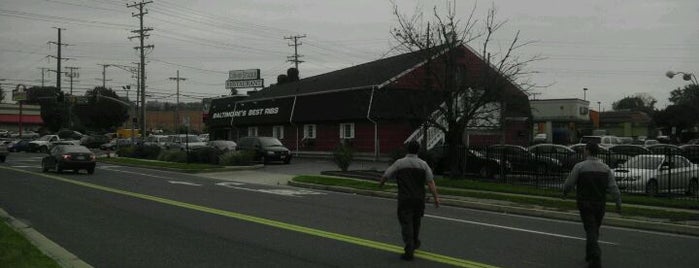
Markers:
point(133, 217)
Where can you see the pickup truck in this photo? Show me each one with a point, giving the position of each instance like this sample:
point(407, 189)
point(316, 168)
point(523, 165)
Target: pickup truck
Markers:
point(44, 143)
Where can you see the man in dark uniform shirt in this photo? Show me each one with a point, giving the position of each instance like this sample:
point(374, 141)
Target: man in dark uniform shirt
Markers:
point(593, 180)
point(411, 174)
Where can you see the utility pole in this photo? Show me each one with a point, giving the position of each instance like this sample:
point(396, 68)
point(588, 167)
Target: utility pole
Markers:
point(43, 71)
point(58, 57)
point(71, 73)
point(141, 36)
point(177, 107)
point(104, 74)
point(296, 44)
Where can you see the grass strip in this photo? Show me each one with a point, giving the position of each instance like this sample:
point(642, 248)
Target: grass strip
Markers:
point(17, 251)
point(155, 163)
point(488, 193)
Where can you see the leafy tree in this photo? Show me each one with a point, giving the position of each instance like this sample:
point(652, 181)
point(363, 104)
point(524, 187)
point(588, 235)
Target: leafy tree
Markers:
point(104, 109)
point(638, 102)
point(54, 111)
point(469, 96)
point(687, 95)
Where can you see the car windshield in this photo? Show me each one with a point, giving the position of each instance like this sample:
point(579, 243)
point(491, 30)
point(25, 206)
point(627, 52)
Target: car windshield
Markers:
point(45, 138)
point(270, 142)
point(644, 162)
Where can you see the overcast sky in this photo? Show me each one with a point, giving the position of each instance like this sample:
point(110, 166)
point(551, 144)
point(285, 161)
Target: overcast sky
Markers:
point(613, 48)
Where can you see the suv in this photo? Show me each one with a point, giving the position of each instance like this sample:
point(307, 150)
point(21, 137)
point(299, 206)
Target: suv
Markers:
point(265, 149)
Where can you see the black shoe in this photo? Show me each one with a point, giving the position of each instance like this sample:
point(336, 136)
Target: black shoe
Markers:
point(407, 256)
point(417, 244)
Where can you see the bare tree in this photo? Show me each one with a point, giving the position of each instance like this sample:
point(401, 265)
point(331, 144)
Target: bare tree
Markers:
point(470, 97)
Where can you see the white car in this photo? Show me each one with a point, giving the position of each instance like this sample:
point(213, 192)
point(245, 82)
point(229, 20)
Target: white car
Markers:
point(653, 174)
point(184, 142)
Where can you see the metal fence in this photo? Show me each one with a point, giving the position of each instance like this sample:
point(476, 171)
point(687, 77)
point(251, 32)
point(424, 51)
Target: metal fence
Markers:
point(671, 172)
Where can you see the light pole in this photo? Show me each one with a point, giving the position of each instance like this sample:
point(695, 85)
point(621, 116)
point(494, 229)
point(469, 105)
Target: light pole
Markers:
point(584, 93)
point(686, 76)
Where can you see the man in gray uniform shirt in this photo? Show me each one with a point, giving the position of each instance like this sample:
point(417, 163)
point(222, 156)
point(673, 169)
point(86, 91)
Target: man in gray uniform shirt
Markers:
point(411, 174)
point(593, 180)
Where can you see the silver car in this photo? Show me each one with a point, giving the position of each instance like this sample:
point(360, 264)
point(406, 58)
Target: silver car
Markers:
point(651, 174)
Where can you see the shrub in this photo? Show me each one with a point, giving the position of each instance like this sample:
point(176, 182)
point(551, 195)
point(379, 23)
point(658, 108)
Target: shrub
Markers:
point(236, 158)
point(125, 151)
point(205, 155)
point(343, 156)
point(173, 156)
point(147, 152)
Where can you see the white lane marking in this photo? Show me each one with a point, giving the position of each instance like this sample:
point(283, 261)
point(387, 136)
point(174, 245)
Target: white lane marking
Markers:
point(184, 183)
point(514, 229)
point(135, 173)
point(284, 192)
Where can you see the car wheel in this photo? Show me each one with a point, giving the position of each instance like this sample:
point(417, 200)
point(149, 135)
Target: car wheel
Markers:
point(58, 168)
point(91, 170)
point(652, 188)
point(693, 188)
point(44, 168)
point(486, 172)
point(43, 149)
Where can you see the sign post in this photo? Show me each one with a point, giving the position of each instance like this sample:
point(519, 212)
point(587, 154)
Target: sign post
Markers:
point(20, 95)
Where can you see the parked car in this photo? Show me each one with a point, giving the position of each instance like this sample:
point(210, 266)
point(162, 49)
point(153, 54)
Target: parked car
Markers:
point(539, 138)
point(18, 145)
point(156, 140)
point(603, 141)
point(612, 160)
point(3, 152)
point(265, 149)
point(650, 142)
point(204, 137)
point(93, 141)
point(651, 174)
point(72, 157)
point(42, 144)
point(474, 162)
point(522, 160)
point(222, 145)
point(184, 142)
point(691, 152)
point(565, 155)
point(116, 143)
point(693, 141)
point(664, 149)
point(4, 133)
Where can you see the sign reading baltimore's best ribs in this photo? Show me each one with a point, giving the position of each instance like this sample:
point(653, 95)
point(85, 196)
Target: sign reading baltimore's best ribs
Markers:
point(258, 112)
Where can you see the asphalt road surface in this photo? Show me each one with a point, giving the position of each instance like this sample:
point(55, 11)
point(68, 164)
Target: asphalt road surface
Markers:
point(133, 217)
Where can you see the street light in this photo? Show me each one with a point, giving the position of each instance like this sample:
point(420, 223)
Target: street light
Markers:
point(686, 76)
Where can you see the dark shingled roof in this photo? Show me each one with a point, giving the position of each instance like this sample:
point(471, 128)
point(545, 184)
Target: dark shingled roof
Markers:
point(359, 76)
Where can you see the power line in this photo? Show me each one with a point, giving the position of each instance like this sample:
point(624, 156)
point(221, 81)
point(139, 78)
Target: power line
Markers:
point(295, 58)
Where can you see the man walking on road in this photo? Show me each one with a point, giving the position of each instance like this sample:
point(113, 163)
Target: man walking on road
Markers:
point(411, 174)
point(593, 180)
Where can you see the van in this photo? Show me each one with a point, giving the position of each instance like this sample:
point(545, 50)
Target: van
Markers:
point(604, 141)
point(265, 149)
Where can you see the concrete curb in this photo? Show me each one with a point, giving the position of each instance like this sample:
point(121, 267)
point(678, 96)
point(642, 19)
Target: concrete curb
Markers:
point(62, 256)
point(212, 170)
point(610, 220)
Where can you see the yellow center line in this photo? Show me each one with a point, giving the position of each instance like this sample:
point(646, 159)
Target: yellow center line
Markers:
point(277, 224)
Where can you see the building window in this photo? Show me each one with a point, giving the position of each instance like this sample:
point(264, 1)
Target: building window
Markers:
point(347, 131)
point(252, 131)
point(309, 131)
point(278, 132)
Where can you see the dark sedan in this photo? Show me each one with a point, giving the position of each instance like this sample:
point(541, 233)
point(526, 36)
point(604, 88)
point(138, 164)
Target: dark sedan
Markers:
point(522, 160)
point(72, 157)
point(474, 162)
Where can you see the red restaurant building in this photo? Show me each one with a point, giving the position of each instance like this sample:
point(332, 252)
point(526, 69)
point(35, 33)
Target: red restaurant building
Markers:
point(371, 106)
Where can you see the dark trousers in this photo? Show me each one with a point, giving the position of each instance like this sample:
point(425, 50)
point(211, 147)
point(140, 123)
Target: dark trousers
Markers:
point(591, 214)
point(410, 212)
